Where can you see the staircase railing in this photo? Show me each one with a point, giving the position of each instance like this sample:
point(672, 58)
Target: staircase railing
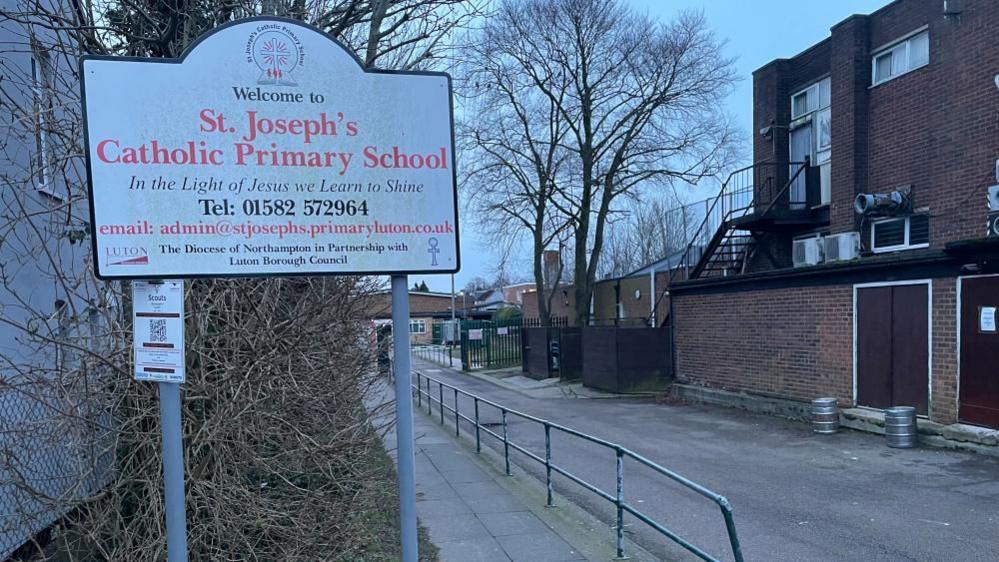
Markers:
point(744, 192)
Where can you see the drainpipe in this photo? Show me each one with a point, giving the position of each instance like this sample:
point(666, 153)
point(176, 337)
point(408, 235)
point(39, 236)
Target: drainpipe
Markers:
point(652, 297)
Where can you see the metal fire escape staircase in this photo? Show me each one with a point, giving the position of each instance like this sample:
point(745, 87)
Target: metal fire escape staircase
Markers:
point(723, 244)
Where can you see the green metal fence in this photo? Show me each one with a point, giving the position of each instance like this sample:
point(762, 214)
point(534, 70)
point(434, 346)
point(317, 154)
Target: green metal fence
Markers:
point(488, 344)
point(477, 344)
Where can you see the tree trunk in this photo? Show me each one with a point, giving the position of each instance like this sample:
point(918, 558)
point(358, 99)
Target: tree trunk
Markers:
point(375, 31)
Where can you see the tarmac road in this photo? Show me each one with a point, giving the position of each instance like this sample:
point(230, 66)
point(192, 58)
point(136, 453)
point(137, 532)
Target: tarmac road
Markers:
point(797, 496)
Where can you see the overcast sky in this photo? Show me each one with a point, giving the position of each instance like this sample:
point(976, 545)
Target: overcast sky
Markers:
point(756, 31)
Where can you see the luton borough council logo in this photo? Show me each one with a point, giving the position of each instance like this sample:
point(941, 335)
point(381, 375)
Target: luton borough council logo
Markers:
point(277, 53)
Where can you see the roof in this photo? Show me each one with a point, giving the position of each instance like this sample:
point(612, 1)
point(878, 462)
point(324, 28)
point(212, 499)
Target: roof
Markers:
point(670, 262)
point(419, 293)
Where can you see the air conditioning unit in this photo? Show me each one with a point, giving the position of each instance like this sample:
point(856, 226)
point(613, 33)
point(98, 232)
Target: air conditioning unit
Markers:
point(994, 196)
point(807, 251)
point(842, 247)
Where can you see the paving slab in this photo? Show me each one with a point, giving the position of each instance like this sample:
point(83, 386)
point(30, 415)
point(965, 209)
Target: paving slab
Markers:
point(472, 550)
point(468, 514)
point(511, 523)
point(538, 547)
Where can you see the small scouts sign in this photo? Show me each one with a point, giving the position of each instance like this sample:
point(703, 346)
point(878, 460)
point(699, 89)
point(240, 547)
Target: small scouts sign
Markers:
point(268, 150)
point(158, 329)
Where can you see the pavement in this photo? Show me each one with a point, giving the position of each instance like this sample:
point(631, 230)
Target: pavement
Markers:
point(474, 512)
point(472, 517)
point(797, 496)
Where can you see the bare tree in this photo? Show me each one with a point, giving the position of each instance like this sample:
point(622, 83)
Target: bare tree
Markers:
point(648, 231)
point(512, 140)
point(640, 100)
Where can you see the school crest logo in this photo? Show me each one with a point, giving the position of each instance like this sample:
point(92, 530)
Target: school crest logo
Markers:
point(277, 53)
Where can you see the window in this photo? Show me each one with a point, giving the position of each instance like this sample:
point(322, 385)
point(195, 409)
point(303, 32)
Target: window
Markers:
point(811, 137)
point(906, 233)
point(902, 57)
point(813, 98)
point(417, 326)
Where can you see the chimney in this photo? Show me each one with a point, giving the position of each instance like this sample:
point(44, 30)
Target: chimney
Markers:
point(551, 263)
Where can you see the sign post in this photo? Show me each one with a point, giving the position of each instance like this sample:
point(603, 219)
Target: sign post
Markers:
point(173, 472)
point(267, 149)
point(158, 342)
point(405, 438)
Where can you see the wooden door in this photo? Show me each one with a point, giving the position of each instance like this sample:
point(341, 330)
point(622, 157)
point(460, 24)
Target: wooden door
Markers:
point(893, 346)
point(874, 348)
point(979, 352)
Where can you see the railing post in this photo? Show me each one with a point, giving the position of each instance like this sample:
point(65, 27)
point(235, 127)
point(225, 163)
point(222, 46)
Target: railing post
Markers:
point(619, 502)
point(440, 388)
point(506, 445)
point(457, 418)
point(478, 441)
point(419, 389)
point(430, 401)
point(548, 463)
point(733, 537)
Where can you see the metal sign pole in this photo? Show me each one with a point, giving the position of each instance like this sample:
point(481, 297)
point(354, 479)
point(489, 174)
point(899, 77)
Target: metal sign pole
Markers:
point(173, 472)
point(405, 452)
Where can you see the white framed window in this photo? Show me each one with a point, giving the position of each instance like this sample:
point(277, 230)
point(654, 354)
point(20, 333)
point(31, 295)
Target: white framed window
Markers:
point(417, 326)
point(815, 97)
point(811, 136)
point(904, 56)
point(905, 233)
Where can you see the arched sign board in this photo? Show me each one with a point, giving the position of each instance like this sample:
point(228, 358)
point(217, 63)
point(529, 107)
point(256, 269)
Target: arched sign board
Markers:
point(267, 149)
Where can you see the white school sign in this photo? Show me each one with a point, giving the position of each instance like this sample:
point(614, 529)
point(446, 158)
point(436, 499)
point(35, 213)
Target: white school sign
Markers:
point(268, 150)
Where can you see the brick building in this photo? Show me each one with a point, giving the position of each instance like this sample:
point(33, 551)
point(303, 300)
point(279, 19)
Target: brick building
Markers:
point(424, 308)
point(852, 260)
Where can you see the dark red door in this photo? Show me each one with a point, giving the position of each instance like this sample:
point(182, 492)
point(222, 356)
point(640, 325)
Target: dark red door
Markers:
point(979, 352)
point(893, 346)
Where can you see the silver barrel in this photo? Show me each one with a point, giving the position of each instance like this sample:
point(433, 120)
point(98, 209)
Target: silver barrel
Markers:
point(825, 416)
point(900, 427)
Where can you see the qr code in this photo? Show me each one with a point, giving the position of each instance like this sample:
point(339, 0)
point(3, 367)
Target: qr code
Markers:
point(157, 330)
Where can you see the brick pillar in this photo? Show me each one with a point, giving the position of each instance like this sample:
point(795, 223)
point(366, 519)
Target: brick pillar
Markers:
point(851, 77)
point(771, 106)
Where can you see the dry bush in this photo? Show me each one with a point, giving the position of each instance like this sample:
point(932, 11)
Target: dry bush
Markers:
point(282, 461)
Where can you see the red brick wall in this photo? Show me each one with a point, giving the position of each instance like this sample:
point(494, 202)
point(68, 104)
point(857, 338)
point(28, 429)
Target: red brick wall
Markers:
point(943, 402)
point(791, 343)
point(797, 343)
point(935, 128)
point(563, 304)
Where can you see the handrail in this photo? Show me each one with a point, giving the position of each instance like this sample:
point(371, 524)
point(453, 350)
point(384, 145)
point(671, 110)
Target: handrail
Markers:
point(620, 453)
point(726, 190)
point(802, 166)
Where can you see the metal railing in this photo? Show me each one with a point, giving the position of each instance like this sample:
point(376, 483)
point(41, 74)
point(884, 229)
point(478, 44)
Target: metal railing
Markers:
point(442, 354)
point(621, 453)
point(758, 188)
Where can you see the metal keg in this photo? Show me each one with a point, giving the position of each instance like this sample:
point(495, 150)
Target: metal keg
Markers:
point(825, 416)
point(900, 427)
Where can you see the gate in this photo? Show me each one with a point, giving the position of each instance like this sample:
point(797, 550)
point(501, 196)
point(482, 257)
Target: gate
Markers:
point(535, 352)
point(487, 344)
